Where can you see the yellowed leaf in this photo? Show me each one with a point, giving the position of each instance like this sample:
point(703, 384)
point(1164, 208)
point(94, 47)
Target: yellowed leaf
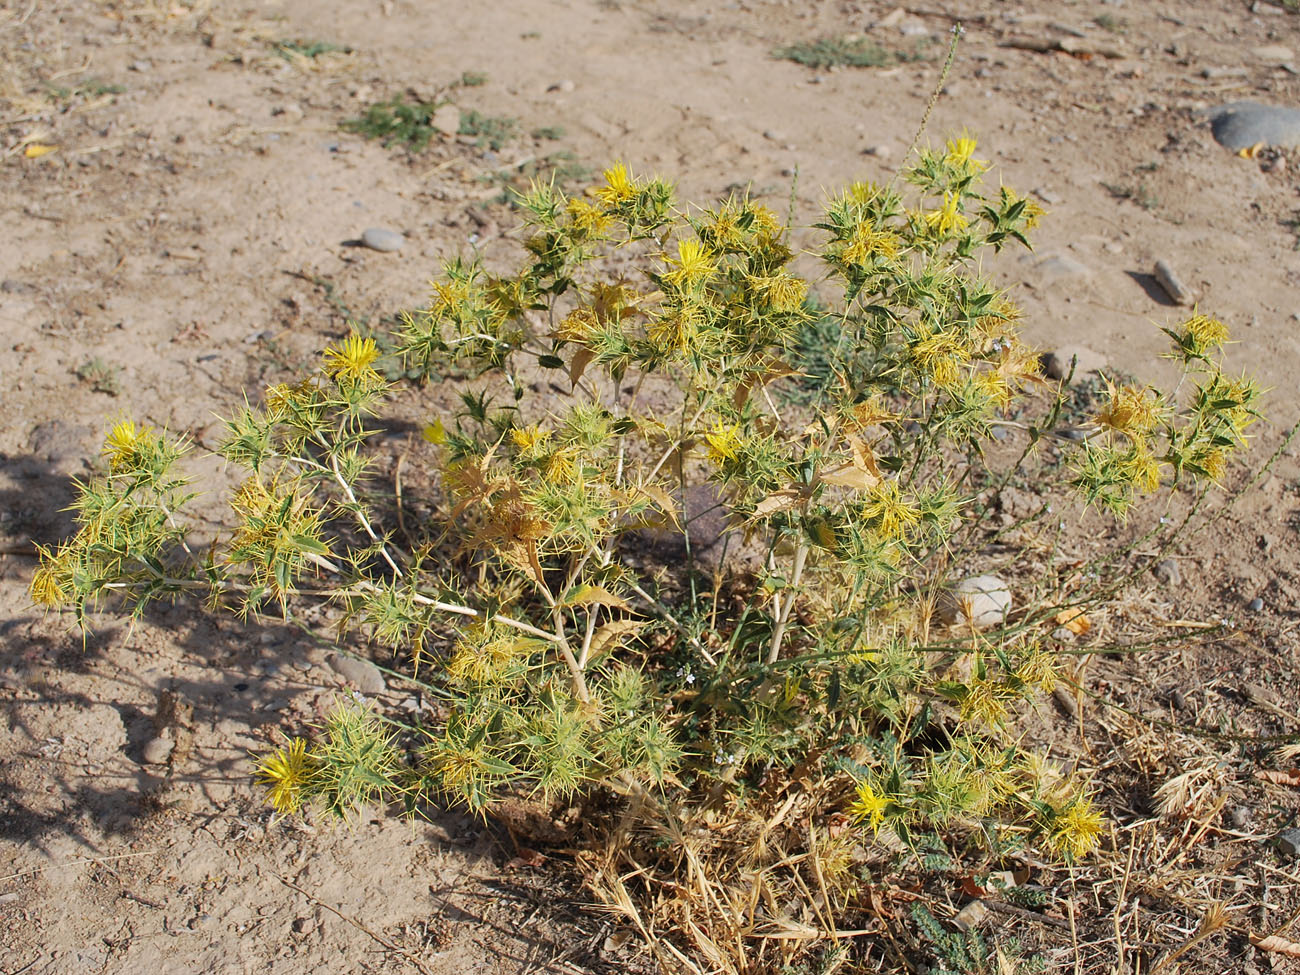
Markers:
point(585, 595)
point(1280, 777)
point(777, 501)
point(863, 458)
point(1274, 943)
point(607, 636)
point(578, 365)
point(849, 474)
point(663, 499)
point(1074, 621)
point(38, 149)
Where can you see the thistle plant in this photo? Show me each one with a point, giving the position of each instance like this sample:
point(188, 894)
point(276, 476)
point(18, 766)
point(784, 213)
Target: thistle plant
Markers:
point(566, 655)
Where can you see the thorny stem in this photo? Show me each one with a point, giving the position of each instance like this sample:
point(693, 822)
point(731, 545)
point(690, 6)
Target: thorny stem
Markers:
point(361, 514)
point(783, 613)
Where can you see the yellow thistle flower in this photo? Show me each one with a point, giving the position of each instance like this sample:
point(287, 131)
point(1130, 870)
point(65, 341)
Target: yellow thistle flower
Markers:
point(765, 219)
point(447, 297)
point(1077, 830)
point(984, 702)
point(530, 440)
point(693, 264)
point(579, 324)
point(1204, 333)
point(862, 192)
point(947, 218)
point(869, 807)
point(724, 443)
point(619, 187)
point(783, 292)
point(893, 515)
point(287, 774)
point(587, 218)
point(46, 589)
point(678, 331)
point(122, 446)
point(435, 433)
point(940, 357)
point(1132, 411)
point(867, 242)
point(352, 359)
point(1213, 462)
point(1143, 469)
point(872, 411)
point(994, 385)
point(561, 467)
point(961, 152)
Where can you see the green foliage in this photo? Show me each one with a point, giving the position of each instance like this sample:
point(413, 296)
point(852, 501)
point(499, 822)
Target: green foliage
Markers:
point(289, 50)
point(492, 131)
point(856, 52)
point(397, 122)
point(101, 376)
point(473, 79)
point(967, 953)
point(851, 445)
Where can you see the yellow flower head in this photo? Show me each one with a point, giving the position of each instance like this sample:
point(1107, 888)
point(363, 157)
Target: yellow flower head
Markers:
point(947, 218)
point(723, 442)
point(530, 440)
point(1132, 411)
point(960, 155)
point(619, 188)
point(1077, 830)
point(783, 292)
point(287, 774)
point(123, 444)
point(579, 324)
point(587, 218)
point(46, 588)
point(869, 241)
point(352, 359)
point(676, 332)
point(893, 515)
point(1204, 334)
point(940, 357)
point(869, 807)
point(1213, 462)
point(693, 265)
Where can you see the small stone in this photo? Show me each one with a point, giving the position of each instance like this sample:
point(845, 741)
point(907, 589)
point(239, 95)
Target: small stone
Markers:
point(1049, 197)
point(1266, 543)
point(1056, 365)
point(881, 151)
point(1171, 283)
point(382, 239)
point(1273, 54)
point(10, 897)
point(304, 926)
point(141, 66)
point(365, 675)
point(1167, 571)
point(1063, 634)
point(1255, 605)
point(1240, 817)
point(1066, 700)
point(1288, 842)
point(1063, 266)
point(978, 601)
point(1178, 699)
point(566, 86)
point(446, 119)
point(157, 750)
point(970, 916)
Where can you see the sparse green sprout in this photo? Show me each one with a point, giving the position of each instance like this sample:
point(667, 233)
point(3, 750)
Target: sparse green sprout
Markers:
point(101, 376)
point(850, 52)
point(473, 79)
point(306, 50)
point(492, 131)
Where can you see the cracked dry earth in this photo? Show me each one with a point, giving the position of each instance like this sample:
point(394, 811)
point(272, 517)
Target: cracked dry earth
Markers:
point(194, 232)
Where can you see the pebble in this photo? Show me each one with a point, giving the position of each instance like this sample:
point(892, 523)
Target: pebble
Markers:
point(1066, 700)
point(978, 601)
point(1171, 283)
point(970, 916)
point(880, 151)
point(157, 750)
point(1178, 699)
point(1255, 605)
point(1240, 817)
point(1063, 266)
point(365, 675)
point(566, 85)
point(1048, 197)
point(446, 119)
point(1167, 571)
point(1241, 125)
point(10, 897)
point(304, 926)
point(141, 66)
point(1056, 365)
point(382, 239)
point(1273, 53)
point(1288, 842)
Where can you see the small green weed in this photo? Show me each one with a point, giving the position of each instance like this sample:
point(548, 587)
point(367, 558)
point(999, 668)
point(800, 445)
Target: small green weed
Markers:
point(473, 79)
point(1292, 223)
point(90, 88)
point(967, 953)
point(551, 132)
point(289, 50)
point(103, 377)
point(492, 131)
point(1116, 25)
point(397, 122)
point(1141, 194)
point(850, 52)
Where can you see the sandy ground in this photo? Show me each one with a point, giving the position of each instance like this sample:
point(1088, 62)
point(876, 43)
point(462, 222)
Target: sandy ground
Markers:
point(194, 232)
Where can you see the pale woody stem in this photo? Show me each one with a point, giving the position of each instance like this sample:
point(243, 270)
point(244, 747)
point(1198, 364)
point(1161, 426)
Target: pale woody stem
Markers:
point(783, 612)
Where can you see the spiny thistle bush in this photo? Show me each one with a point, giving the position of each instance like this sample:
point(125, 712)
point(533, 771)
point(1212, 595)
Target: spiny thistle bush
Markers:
point(568, 656)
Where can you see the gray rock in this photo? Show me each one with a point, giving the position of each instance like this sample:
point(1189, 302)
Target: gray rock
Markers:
point(1240, 125)
point(1272, 54)
point(382, 239)
point(1288, 842)
point(1255, 605)
point(1173, 286)
point(365, 675)
point(977, 601)
point(1063, 266)
point(1056, 365)
point(157, 750)
point(1167, 571)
